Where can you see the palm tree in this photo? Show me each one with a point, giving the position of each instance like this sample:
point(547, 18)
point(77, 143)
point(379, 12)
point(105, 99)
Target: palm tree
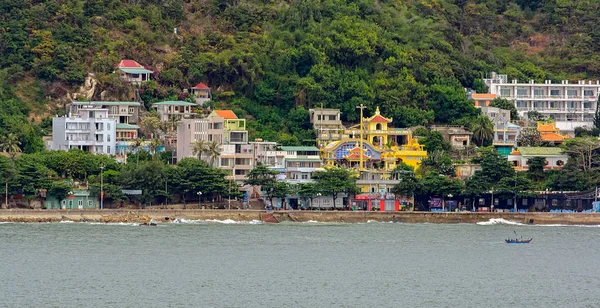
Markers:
point(482, 129)
point(213, 150)
point(136, 145)
point(199, 148)
point(10, 144)
point(154, 144)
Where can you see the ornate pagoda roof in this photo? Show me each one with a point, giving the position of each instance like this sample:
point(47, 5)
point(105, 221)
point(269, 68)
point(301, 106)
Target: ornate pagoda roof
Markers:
point(378, 118)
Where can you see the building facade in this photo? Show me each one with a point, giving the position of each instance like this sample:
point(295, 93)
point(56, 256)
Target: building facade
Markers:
point(556, 158)
point(90, 130)
point(327, 124)
point(571, 105)
point(300, 163)
point(121, 112)
point(133, 72)
point(201, 93)
point(373, 149)
point(173, 110)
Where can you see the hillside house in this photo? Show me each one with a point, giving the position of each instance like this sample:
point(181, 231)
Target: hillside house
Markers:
point(133, 72)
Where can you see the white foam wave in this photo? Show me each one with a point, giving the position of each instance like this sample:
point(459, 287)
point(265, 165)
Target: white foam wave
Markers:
point(382, 222)
point(499, 221)
point(66, 222)
point(225, 222)
point(115, 224)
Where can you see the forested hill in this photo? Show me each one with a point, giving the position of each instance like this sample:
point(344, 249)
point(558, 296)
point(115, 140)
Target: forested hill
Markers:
point(271, 60)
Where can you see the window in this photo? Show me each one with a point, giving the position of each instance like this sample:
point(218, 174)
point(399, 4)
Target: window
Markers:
point(587, 105)
point(538, 92)
point(481, 201)
point(305, 176)
point(131, 110)
point(571, 93)
point(554, 92)
point(90, 203)
point(496, 201)
point(554, 202)
point(319, 118)
point(571, 105)
point(504, 92)
point(524, 201)
point(538, 105)
point(588, 93)
point(70, 203)
point(331, 118)
point(108, 149)
point(522, 92)
point(80, 203)
point(521, 104)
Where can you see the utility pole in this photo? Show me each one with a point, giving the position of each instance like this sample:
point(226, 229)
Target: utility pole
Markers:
point(361, 107)
point(102, 186)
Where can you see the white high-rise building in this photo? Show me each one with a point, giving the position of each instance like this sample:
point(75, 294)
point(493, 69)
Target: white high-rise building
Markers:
point(90, 130)
point(571, 105)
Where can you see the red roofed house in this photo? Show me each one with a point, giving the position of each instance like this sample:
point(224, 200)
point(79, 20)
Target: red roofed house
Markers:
point(133, 72)
point(202, 93)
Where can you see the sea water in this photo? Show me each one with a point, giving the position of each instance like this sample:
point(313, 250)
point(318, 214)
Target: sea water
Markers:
point(251, 264)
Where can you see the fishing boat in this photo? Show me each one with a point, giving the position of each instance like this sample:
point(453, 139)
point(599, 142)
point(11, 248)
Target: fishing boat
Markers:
point(518, 241)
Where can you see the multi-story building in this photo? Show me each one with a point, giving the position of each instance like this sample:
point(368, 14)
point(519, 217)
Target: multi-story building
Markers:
point(227, 130)
point(481, 99)
point(457, 136)
point(90, 130)
point(133, 72)
point(300, 163)
point(173, 110)
point(376, 154)
point(505, 132)
point(327, 124)
point(122, 112)
point(571, 105)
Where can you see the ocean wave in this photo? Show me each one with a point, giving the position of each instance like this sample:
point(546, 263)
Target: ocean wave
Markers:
point(131, 224)
point(225, 222)
point(499, 221)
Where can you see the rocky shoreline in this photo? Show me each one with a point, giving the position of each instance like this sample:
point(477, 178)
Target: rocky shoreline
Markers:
point(145, 216)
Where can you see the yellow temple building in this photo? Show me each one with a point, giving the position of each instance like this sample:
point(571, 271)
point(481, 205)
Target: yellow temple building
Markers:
point(373, 149)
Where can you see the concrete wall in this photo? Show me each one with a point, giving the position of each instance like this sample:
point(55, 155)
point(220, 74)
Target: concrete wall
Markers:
point(297, 216)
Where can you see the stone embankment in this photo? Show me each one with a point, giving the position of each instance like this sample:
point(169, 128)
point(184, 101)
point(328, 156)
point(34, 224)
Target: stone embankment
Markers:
point(145, 216)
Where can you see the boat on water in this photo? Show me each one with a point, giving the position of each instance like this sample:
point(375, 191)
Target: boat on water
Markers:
point(518, 241)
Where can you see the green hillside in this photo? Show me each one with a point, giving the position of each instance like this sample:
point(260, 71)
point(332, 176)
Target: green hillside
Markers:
point(272, 60)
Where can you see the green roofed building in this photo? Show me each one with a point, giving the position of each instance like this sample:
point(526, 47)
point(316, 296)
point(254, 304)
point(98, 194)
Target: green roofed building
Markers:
point(555, 157)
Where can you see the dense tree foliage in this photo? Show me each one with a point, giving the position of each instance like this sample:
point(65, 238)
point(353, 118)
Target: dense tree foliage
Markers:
point(272, 60)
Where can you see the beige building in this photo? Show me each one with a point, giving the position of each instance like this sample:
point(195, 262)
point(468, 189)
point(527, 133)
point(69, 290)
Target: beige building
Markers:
point(327, 124)
point(174, 110)
point(457, 136)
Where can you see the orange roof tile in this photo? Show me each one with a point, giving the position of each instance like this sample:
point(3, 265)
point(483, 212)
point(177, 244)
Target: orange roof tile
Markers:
point(551, 137)
point(483, 96)
point(226, 114)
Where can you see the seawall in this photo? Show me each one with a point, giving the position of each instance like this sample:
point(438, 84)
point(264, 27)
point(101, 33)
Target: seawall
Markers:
point(163, 215)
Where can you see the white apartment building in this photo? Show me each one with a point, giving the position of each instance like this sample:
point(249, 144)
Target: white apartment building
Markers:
point(571, 105)
point(90, 130)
